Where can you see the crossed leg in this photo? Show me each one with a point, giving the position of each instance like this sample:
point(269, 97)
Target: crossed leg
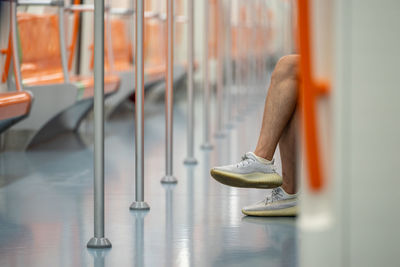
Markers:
point(257, 170)
point(279, 120)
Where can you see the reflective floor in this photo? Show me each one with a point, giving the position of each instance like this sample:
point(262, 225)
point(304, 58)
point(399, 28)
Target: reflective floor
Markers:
point(46, 202)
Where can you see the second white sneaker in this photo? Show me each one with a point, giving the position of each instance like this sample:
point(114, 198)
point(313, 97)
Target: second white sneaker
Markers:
point(278, 203)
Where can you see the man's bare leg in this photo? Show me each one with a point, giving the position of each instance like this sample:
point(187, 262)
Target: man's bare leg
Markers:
point(277, 126)
point(280, 105)
point(279, 120)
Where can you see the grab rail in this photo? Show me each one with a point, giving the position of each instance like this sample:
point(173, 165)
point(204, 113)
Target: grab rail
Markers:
point(40, 2)
point(80, 8)
point(14, 45)
point(8, 53)
point(311, 89)
point(121, 11)
point(74, 38)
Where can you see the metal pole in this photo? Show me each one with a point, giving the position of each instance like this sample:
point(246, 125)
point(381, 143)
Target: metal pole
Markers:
point(247, 58)
point(139, 203)
point(15, 54)
point(110, 51)
point(206, 99)
point(64, 61)
point(266, 43)
point(169, 97)
point(229, 79)
point(247, 35)
point(240, 97)
point(262, 48)
point(190, 159)
point(99, 241)
point(220, 70)
point(261, 71)
point(258, 50)
point(254, 53)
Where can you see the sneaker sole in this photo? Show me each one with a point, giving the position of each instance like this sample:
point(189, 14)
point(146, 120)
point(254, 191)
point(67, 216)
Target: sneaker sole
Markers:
point(288, 212)
point(251, 180)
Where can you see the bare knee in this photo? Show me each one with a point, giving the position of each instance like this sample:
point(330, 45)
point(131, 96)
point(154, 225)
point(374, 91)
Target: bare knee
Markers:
point(286, 68)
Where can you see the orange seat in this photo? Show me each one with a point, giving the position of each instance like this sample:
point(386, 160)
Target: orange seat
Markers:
point(212, 28)
point(41, 55)
point(121, 45)
point(154, 48)
point(14, 104)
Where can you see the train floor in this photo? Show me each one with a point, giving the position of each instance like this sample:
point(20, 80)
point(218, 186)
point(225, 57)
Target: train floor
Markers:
point(46, 201)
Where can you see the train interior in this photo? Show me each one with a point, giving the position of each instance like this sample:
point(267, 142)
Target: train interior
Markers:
point(102, 100)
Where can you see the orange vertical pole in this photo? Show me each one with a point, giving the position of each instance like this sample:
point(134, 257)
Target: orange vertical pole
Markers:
point(309, 92)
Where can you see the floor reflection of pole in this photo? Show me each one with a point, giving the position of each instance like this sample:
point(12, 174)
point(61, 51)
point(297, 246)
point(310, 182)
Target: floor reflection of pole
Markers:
point(98, 257)
point(204, 205)
point(206, 173)
point(228, 155)
point(190, 213)
point(169, 223)
point(220, 150)
point(139, 237)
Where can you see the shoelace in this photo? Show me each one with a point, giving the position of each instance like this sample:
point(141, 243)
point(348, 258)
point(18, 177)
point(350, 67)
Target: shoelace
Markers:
point(275, 195)
point(245, 162)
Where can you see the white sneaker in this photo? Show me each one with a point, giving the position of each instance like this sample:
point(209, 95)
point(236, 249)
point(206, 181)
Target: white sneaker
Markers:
point(277, 203)
point(251, 172)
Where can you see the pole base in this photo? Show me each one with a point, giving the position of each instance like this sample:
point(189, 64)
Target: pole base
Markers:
point(169, 179)
point(190, 161)
point(139, 205)
point(99, 243)
point(206, 146)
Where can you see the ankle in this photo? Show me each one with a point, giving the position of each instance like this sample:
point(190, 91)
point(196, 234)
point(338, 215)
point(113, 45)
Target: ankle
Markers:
point(289, 189)
point(263, 155)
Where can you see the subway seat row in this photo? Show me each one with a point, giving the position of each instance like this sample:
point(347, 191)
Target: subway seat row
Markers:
point(45, 103)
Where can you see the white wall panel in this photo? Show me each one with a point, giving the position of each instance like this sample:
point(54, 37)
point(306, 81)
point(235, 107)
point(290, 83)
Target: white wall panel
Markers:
point(366, 130)
point(375, 133)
